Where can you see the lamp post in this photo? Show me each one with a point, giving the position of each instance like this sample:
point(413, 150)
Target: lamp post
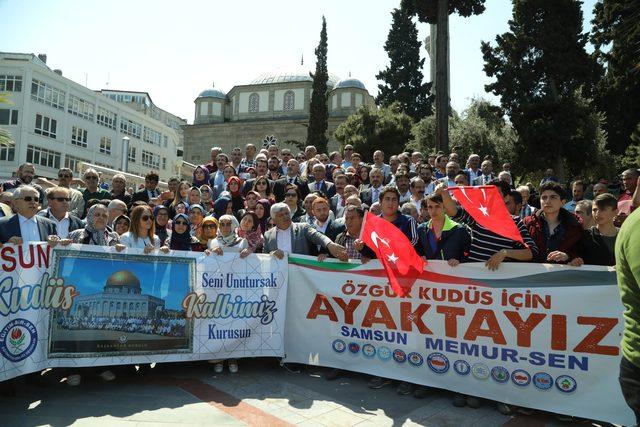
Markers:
point(125, 154)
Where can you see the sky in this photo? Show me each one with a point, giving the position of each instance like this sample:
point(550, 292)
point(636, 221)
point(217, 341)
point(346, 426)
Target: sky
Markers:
point(174, 50)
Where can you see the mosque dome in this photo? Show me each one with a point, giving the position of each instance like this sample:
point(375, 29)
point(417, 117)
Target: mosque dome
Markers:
point(123, 278)
point(288, 76)
point(212, 93)
point(350, 83)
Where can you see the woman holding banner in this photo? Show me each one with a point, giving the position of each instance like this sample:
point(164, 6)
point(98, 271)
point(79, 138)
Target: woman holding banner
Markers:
point(142, 235)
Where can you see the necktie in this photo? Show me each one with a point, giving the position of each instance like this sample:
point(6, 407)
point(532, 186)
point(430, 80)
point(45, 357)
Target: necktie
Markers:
point(375, 195)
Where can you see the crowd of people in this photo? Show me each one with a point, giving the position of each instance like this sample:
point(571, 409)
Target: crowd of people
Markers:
point(270, 201)
point(170, 327)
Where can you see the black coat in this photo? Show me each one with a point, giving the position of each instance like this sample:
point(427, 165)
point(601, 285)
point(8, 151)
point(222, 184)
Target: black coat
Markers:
point(10, 227)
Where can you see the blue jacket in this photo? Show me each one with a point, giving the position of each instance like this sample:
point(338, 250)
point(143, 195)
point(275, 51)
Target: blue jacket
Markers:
point(454, 241)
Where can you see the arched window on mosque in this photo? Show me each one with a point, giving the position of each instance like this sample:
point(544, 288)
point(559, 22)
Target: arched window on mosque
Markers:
point(254, 103)
point(289, 100)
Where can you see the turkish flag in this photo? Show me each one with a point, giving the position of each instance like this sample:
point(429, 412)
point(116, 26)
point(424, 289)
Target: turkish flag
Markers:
point(487, 208)
point(401, 262)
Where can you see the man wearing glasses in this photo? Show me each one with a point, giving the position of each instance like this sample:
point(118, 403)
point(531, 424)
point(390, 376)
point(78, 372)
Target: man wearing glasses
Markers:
point(119, 189)
point(346, 156)
point(150, 190)
point(59, 200)
point(25, 225)
point(91, 189)
point(25, 173)
point(65, 179)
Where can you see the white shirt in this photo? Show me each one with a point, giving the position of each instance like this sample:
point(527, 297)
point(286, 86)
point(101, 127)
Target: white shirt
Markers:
point(405, 197)
point(283, 239)
point(474, 174)
point(417, 203)
point(321, 228)
point(62, 226)
point(29, 229)
point(130, 241)
point(375, 194)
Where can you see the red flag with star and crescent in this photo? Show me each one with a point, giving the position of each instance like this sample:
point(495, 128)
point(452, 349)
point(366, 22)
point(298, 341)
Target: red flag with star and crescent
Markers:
point(486, 206)
point(399, 258)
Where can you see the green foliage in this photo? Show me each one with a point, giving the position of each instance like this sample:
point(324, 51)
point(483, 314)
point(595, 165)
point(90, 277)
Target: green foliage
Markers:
point(424, 135)
point(427, 10)
point(318, 113)
point(403, 77)
point(616, 37)
point(540, 68)
point(371, 129)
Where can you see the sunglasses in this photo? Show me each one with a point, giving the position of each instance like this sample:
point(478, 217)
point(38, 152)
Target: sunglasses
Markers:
point(146, 217)
point(181, 223)
point(64, 175)
point(261, 183)
point(61, 199)
point(91, 178)
point(291, 195)
point(29, 198)
point(209, 226)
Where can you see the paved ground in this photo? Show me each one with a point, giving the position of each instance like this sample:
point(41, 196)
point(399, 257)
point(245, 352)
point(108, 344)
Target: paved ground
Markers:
point(262, 394)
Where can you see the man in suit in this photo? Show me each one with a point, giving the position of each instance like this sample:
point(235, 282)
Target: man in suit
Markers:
point(487, 174)
point(261, 170)
point(372, 194)
point(150, 190)
point(322, 222)
point(25, 173)
point(338, 201)
point(295, 238)
point(292, 177)
point(25, 225)
point(320, 183)
point(59, 201)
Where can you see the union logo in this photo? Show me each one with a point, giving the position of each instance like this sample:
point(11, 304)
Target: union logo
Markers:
point(480, 371)
point(438, 363)
point(566, 384)
point(520, 377)
point(399, 356)
point(500, 374)
point(415, 359)
point(384, 353)
point(542, 380)
point(368, 350)
point(339, 346)
point(354, 347)
point(18, 340)
point(461, 367)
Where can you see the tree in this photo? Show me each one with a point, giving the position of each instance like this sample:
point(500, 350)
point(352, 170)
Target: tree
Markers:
point(403, 77)
point(616, 37)
point(542, 73)
point(371, 129)
point(318, 113)
point(437, 12)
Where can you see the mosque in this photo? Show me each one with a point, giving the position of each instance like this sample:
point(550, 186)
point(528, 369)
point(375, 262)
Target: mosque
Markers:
point(121, 297)
point(273, 104)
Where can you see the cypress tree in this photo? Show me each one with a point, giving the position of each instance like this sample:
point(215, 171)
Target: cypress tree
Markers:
point(403, 77)
point(318, 113)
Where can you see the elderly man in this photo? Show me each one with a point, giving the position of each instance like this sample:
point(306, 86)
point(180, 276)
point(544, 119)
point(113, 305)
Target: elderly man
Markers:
point(372, 194)
point(25, 225)
point(25, 172)
point(217, 178)
point(292, 178)
point(119, 189)
point(58, 200)
point(378, 163)
point(584, 209)
point(92, 190)
point(416, 186)
point(116, 208)
point(320, 184)
point(473, 167)
point(630, 197)
point(295, 238)
point(487, 174)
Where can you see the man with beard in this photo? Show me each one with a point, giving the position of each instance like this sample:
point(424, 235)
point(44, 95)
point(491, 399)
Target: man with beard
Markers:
point(261, 170)
point(26, 172)
point(338, 201)
point(275, 171)
point(372, 194)
point(402, 183)
point(65, 176)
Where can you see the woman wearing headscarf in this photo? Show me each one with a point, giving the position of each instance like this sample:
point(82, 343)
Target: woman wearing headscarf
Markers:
point(161, 215)
point(234, 185)
point(222, 206)
point(206, 198)
point(250, 230)
point(181, 238)
point(94, 233)
point(263, 211)
point(195, 196)
point(121, 224)
point(200, 176)
point(228, 238)
point(196, 215)
point(208, 232)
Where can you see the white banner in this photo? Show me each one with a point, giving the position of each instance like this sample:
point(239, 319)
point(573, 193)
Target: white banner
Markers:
point(533, 335)
point(96, 307)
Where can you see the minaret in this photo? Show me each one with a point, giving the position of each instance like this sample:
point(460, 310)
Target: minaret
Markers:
point(430, 47)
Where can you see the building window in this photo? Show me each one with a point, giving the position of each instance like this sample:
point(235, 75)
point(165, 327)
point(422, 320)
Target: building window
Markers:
point(79, 137)
point(164, 140)
point(132, 155)
point(7, 154)
point(8, 117)
point(73, 162)
point(105, 145)
point(130, 127)
point(152, 137)
point(10, 83)
point(46, 126)
point(47, 94)
point(106, 118)
point(164, 163)
point(289, 100)
point(254, 103)
point(81, 108)
point(43, 157)
point(150, 160)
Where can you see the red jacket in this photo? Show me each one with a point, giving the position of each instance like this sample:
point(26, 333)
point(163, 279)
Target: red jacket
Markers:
point(573, 233)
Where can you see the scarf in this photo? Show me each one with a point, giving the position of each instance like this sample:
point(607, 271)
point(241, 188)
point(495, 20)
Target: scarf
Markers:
point(180, 241)
point(264, 221)
point(200, 235)
point(230, 239)
point(207, 175)
point(220, 207)
point(161, 230)
point(96, 237)
point(254, 236)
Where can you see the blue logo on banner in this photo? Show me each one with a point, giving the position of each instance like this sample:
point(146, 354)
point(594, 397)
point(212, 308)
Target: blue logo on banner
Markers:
point(461, 367)
point(384, 353)
point(399, 355)
point(354, 347)
point(566, 384)
point(415, 359)
point(500, 374)
point(438, 363)
point(339, 346)
point(520, 377)
point(480, 371)
point(368, 350)
point(543, 381)
point(18, 340)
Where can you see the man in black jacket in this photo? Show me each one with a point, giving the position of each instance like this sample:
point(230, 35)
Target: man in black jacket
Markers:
point(25, 225)
point(279, 186)
point(59, 201)
point(150, 190)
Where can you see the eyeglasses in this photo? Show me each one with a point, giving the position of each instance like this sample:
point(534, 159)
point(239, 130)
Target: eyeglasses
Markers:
point(64, 175)
point(291, 195)
point(181, 223)
point(146, 217)
point(225, 224)
point(61, 199)
point(91, 178)
point(261, 183)
point(29, 198)
point(100, 215)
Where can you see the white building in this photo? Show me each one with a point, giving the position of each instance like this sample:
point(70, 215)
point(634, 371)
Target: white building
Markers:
point(56, 122)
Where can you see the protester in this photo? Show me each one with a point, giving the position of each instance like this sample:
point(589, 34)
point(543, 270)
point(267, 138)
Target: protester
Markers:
point(195, 196)
point(141, 234)
point(597, 244)
point(121, 224)
point(292, 199)
point(262, 211)
point(161, 215)
point(150, 190)
point(201, 176)
point(116, 208)
point(222, 206)
point(25, 173)
point(25, 225)
point(181, 195)
point(577, 194)
point(584, 210)
point(119, 189)
point(207, 232)
point(58, 212)
point(250, 231)
point(181, 238)
point(196, 214)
